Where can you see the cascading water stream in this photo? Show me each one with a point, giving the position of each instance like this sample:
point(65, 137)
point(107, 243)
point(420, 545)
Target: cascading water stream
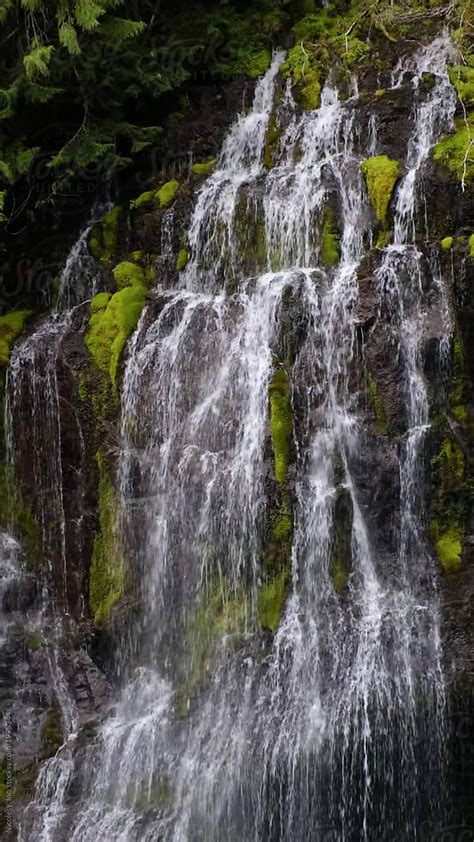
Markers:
point(220, 732)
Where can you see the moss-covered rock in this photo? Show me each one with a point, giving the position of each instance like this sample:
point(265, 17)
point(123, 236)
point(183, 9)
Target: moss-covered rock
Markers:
point(303, 69)
point(281, 422)
point(272, 138)
point(112, 320)
point(106, 576)
point(103, 238)
point(449, 549)
point(330, 251)
point(127, 274)
point(52, 734)
point(462, 78)
point(167, 194)
point(11, 326)
point(17, 516)
point(381, 423)
point(182, 260)
point(204, 168)
point(455, 152)
point(271, 601)
point(447, 243)
point(381, 174)
point(144, 199)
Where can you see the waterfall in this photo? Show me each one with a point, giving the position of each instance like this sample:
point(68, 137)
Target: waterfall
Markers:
point(325, 724)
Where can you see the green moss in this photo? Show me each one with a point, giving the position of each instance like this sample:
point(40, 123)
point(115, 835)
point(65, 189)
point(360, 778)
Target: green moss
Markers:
point(450, 465)
point(330, 251)
point(447, 243)
point(381, 175)
point(449, 550)
point(34, 641)
point(22, 782)
point(103, 238)
point(112, 321)
point(456, 151)
point(281, 422)
point(182, 260)
point(381, 424)
point(16, 516)
point(258, 62)
point(145, 198)
point(302, 67)
point(283, 526)
point(149, 794)
point(167, 194)
point(52, 734)
point(11, 326)
point(338, 574)
point(458, 394)
point(271, 142)
point(471, 245)
point(204, 168)
point(462, 78)
point(106, 576)
point(127, 274)
point(271, 600)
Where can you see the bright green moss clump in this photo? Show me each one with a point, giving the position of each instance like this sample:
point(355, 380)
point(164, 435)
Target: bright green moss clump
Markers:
point(145, 198)
point(167, 194)
point(104, 237)
point(113, 319)
point(127, 274)
point(281, 422)
point(381, 175)
point(449, 550)
point(204, 168)
point(271, 599)
point(330, 251)
point(304, 72)
point(471, 245)
point(456, 151)
point(462, 78)
point(182, 260)
point(11, 326)
point(447, 243)
point(106, 577)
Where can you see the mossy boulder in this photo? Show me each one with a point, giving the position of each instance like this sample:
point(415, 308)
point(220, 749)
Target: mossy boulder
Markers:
point(127, 274)
point(167, 194)
point(381, 174)
point(113, 318)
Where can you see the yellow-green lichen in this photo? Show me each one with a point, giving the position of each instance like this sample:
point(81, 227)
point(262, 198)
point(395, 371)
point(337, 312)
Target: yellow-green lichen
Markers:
point(127, 274)
point(112, 321)
point(381, 174)
point(167, 194)
point(106, 576)
point(11, 326)
point(204, 168)
point(456, 151)
point(271, 600)
point(447, 243)
point(281, 422)
point(104, 237)
point(330, 251)
point(182, 260)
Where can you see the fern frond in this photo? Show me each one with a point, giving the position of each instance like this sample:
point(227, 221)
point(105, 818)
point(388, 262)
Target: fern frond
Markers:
point(36, 63)
point(119, 29)
point(87, 14)
point(68, 38)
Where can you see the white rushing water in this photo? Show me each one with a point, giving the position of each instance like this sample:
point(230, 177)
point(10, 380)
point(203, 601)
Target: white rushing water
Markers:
point(317, 732)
